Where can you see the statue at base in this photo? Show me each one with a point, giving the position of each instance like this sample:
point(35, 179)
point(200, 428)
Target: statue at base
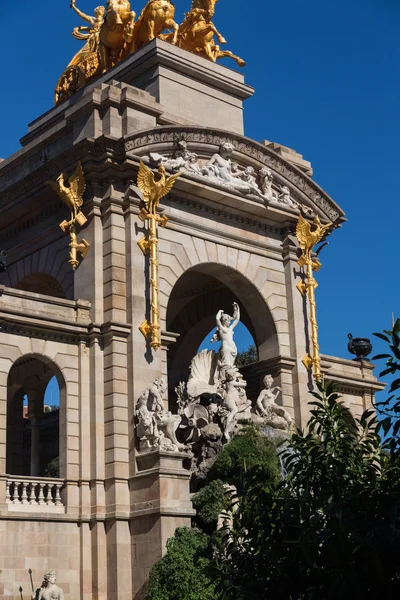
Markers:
point(274, 416)
point(156, 427)
point(49, 590)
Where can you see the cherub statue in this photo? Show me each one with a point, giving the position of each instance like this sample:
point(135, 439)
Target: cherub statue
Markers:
point(249, 177)
point(285, 196)
point(49, 590)
point(224, 334)
point(266, 406)
point(266, 179)
point(233, 383)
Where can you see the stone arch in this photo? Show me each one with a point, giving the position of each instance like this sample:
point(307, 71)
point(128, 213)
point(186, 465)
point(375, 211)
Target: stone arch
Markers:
point(194, 300)
point(48, 267)
point(259, 279)
point(41, 283)
point(29, 376)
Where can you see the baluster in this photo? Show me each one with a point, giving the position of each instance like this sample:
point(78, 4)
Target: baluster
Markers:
point(24, 495)
point(15, 492)
point(41, 495)
point(31, 493)
point(47, 494)
point(8, 496)
point(57, 499)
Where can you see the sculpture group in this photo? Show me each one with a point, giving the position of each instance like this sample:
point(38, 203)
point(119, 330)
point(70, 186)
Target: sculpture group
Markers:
point(223, 172)
point(212, 405)
point(112, 34)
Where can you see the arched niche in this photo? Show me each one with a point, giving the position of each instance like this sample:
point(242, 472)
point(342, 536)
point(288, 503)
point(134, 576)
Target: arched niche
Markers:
point(25, 451)
point(41, 283)
point(192, 307)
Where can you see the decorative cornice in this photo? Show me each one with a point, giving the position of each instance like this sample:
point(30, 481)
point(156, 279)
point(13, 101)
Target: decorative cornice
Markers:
point(246, 146)
point(49, 169)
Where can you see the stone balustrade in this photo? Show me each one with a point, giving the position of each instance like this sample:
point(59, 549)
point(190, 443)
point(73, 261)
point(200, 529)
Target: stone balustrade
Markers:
point(38, 494)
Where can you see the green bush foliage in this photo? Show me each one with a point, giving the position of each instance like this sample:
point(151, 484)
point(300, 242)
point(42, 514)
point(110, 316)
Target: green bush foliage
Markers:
point(183, 573)
point(247, 451)
point(331, 529)
point(209, 502)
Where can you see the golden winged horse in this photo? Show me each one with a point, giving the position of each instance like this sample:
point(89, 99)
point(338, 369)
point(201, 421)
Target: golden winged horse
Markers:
point(309, 238)
point(153, 190)
point(72, 194)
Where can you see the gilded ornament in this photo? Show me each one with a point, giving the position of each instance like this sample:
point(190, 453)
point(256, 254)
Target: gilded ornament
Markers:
point(308, 238)
point(156, 16)
point(72, 194)
point(152, 192)
point(196, 33)
point(112, 34)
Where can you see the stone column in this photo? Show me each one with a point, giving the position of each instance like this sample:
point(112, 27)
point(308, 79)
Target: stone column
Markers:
point(299, 333)
point(160, 502)
point(34, 419)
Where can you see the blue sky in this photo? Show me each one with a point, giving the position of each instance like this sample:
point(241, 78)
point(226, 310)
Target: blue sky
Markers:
point(327, 78)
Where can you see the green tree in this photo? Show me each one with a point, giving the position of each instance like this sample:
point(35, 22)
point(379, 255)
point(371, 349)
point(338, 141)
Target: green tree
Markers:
point(184, 572)
point(331, 529)
point(389, 409)
point(247, 357)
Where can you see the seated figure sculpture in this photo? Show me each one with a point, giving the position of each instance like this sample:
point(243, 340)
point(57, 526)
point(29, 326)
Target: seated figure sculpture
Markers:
point(275, 416)
point(156, 427)
point(49, 590)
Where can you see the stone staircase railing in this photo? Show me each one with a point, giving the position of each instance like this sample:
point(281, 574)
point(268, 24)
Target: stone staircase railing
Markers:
point(38, 494)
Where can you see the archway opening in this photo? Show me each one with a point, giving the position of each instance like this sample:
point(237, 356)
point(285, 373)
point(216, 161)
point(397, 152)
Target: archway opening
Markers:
point(36, 390)
point(193, 304)
point(41, 283)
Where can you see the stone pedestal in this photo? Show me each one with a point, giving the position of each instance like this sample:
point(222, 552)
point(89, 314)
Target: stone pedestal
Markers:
point(160, 502)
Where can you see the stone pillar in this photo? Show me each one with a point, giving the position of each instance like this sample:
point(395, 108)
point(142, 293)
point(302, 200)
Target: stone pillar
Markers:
point(160, 502)
point(34, 419)
point(299, 333)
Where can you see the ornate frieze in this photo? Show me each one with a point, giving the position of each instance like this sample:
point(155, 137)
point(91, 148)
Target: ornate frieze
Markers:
point(140, 144)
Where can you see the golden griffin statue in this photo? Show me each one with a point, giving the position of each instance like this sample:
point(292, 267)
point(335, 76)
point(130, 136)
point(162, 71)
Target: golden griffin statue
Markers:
point(112, 34)
point(72, 195)
point(308, 238)
point(152, 192)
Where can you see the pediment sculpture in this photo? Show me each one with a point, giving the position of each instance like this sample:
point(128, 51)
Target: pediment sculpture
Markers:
point(112, 34)
point(223, 172)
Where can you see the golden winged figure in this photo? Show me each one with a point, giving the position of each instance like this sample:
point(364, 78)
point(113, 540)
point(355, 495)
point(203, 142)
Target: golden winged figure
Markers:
point(72, 193)
point(153, 190)
point(309, 238)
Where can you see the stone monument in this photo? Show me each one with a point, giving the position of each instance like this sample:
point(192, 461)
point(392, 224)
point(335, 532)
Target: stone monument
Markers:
point(143, 93)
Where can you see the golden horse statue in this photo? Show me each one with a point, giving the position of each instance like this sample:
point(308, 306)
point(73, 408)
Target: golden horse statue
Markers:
point(116, 33)
point(156, 16)
point(196, 33)
point(113, 34)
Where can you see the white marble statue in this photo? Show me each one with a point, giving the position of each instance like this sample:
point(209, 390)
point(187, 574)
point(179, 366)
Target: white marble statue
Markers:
point(224, 334)
point(49, 590)
point(156, 427)
point(275, 416)
point(232, 400)
point(285, 197)
point(266, 179)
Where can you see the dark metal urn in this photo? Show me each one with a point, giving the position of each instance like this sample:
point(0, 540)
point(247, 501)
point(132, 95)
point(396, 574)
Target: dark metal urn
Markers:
point(361, 347)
